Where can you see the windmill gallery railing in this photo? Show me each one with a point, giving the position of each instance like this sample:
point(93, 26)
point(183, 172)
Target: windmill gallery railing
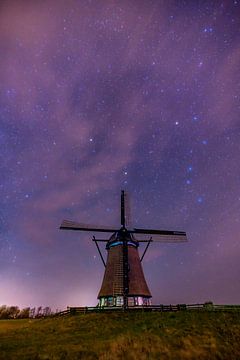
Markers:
point(159, 308)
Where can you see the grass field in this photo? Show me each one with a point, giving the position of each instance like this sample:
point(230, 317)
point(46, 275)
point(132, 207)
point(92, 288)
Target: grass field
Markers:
point(180, 335)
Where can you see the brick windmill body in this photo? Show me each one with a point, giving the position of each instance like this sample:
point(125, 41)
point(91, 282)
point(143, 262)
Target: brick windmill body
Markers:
point(124, 283)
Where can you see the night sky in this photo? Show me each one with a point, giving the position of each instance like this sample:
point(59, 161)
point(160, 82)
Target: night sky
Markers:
point(99, 96)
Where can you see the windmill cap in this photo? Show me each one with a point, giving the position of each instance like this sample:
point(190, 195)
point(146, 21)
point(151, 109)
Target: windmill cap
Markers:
point(118, 239)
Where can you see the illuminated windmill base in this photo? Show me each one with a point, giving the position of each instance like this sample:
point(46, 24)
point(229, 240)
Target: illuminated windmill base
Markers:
point(113, 289)
point(124, 283)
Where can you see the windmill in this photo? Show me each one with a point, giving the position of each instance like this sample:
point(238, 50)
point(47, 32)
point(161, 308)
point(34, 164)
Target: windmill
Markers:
point(123, 282)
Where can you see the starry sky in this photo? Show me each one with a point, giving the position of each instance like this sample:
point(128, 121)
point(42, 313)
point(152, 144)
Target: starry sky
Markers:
point(99, 96)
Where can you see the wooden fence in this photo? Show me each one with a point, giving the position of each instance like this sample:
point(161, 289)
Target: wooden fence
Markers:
point(150, 308)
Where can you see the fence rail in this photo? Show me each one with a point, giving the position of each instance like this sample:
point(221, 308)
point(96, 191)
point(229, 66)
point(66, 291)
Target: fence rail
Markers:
point(150, 308)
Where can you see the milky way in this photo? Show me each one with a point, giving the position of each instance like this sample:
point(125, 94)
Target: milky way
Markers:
point(99, 96)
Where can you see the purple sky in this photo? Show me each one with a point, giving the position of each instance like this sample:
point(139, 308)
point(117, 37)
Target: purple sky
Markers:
point(99, 96)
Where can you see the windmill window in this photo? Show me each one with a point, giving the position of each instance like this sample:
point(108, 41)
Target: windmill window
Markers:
point(119, 301)
point(110, 301)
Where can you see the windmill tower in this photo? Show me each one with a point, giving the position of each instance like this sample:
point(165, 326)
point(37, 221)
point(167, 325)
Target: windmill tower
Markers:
point(124, 283)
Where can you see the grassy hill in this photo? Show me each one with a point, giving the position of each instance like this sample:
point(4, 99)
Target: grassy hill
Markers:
point(180, 335)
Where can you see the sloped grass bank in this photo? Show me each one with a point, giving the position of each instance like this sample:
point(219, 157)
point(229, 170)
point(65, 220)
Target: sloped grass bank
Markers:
point(180, 335)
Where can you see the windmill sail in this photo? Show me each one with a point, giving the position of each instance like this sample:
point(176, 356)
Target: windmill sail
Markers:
point(163, 235)
point(72, 225)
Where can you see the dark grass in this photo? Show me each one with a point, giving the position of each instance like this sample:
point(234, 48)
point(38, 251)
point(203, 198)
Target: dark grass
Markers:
point(180, 335)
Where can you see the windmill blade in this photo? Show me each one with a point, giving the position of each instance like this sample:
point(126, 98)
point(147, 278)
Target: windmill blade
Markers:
point(122, 208)
point(158, 232)
point(72, 225)
point(166, 239)
point(163, 235)
point(169, 239)
point(128, 217)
